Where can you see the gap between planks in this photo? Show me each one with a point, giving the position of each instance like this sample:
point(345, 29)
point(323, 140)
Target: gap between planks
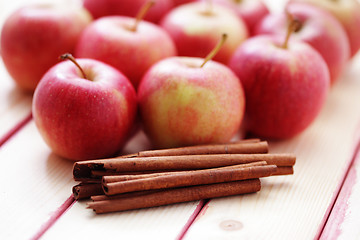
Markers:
point(71, 201)
point(192, 218)
point(356, 154)
point(54, 217)
point(15, 129)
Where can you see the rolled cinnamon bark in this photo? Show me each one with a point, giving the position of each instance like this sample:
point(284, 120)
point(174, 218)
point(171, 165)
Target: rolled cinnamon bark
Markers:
point(82, 170)
point(284, 171)
point(118, 178)
point(177, 195)
point(242, 147)
point(199, 177)
point(123, 195)
point(86, 190)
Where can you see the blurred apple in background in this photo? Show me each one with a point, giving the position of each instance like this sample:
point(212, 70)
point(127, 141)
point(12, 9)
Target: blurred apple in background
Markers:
point(132, 46)
point(180, 2)
point(318, 28)
point(196, 27)
point(184, 102)
point(285, 85)
point(348, 13)
point(101, 8)
point(84, 117)
point(44, 32)
point(251, 11)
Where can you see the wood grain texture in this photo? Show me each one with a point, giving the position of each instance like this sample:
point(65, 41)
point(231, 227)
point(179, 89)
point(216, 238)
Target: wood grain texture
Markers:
point(153, 223)
point(343, 222)
point(295, 207)
point(165, 222)
point(15, 105)
point(34, 184)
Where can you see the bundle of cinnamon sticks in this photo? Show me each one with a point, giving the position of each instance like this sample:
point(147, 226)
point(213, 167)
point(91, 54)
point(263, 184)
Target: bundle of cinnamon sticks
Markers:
point(160, 177)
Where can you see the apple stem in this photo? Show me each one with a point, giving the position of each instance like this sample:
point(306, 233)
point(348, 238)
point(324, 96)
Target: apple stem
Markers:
point(141, 14)
point(68, 56)
point(215, 50)
point(293, 26)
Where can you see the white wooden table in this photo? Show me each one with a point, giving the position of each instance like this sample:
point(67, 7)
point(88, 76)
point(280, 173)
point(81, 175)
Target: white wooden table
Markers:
point(321, 200)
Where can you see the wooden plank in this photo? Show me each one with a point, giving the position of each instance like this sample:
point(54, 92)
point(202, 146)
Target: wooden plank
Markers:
point(79, 222)
point(34, 184)
point(295, 206)
point(15, 106)
point(343, 222)
point(158, 223)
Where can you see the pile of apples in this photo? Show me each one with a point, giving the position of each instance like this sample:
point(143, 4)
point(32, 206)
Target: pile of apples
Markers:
point(139, 62)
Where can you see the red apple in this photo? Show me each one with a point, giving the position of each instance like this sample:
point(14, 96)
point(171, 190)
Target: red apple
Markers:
point(318, 28)
point(101, 8)
point(180, 2)
point(285, 86)
point(195, 29)
point(84, 118)
point(114, 41)
point(348, 13)
point(44, 31)
point(183, 104)
point(251, 11)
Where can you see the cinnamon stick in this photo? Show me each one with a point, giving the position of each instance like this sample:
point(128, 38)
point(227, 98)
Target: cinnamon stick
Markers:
point(86, 190)
point(284, 171)
point(187, 162)
point(164, 152)
point(244, 147)
point(199, 177)
point(177, 195)
point(118, 178)
point(123, 195)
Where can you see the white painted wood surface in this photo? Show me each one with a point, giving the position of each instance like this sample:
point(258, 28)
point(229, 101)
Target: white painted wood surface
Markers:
point(344, 220)
point(295, 207)
point(153, 223)
point(15, 105)
point(35, 183)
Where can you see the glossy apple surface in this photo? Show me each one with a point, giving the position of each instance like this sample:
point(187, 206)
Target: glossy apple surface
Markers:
point(348, 14)
point(102, 8)
point(318, 28)
point(84, 118)
point(285, 88)
point(195, 30)
point(251, 11)
point(180, 2)
point(111, 40)
point(33, 38)
point(182, 104)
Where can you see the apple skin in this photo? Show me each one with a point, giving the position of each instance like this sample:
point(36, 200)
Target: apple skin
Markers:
point(84, 119)
point(348, 14)
point(182, 104)
point(128, 8)
point(251, 11)
point(181, 2)
point(41, 32)
point(196, 33)
point(109, 40)
point(284, 88)
point(319, 29)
